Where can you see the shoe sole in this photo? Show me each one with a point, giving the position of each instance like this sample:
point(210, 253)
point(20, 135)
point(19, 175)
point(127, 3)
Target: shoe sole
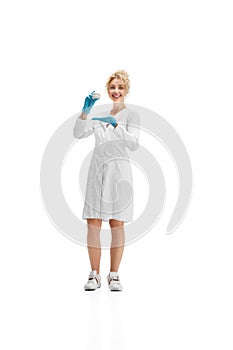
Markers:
point(91, 289)
point(115, 290)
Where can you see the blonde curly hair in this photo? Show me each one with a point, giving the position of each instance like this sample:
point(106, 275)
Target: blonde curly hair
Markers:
point(120, 74)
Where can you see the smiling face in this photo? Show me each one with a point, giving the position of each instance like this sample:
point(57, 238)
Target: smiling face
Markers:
point(117, 90)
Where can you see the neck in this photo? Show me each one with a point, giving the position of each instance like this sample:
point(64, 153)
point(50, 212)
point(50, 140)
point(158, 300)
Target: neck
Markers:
point(117, 106)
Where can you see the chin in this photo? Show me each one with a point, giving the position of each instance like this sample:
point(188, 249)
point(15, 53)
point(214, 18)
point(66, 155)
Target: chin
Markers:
point(118, 100)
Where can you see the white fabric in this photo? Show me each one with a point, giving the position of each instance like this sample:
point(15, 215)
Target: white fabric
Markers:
point(106, 168)
point(113, 274)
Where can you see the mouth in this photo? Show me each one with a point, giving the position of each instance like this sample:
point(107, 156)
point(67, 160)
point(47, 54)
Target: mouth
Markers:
point(116, 95)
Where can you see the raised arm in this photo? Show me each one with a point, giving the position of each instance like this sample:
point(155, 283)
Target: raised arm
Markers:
point(83, 126)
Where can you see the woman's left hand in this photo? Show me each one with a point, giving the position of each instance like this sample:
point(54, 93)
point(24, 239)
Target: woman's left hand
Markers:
point(110, 120)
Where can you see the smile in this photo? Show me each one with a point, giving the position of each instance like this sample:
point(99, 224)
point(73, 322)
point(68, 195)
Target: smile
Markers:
point(116, 96)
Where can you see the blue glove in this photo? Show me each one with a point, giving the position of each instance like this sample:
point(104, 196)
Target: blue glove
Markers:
point(89, 103)
point(109, 120)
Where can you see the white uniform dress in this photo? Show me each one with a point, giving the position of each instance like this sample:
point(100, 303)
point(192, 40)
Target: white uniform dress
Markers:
point(109, 189)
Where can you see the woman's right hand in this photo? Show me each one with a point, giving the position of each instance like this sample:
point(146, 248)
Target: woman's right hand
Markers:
point(89, 103)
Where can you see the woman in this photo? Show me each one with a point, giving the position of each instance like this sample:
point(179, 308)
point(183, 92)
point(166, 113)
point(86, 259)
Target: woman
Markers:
point(114, 131)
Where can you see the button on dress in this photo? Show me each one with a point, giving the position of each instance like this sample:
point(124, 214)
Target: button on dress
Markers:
point(109, 189)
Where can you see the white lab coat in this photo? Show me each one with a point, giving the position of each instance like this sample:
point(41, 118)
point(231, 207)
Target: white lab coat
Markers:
point(110, 165)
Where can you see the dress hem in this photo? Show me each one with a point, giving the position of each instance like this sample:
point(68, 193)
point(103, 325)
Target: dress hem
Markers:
point(89, 217)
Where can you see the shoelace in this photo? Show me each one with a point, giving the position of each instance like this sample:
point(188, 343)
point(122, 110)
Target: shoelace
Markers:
point(116, 279)
point(93, 278)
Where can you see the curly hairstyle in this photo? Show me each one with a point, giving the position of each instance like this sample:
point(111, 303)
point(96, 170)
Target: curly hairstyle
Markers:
point(120, 74)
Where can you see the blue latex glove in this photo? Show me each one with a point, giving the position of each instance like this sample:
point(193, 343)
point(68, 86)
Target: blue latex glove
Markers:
point(110, 120)
point(89, 103)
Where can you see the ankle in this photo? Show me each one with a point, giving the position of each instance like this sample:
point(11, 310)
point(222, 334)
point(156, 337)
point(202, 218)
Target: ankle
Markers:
point(113, 273)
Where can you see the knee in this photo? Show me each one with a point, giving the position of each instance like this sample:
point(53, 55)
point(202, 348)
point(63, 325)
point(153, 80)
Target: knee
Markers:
point(94, 223)
point(116, 223)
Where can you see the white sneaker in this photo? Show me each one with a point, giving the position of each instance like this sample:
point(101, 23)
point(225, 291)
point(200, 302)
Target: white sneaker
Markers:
point(94, 281)
point(114, 282)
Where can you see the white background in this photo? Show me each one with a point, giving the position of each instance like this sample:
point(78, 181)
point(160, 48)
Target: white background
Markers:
point(177, 288)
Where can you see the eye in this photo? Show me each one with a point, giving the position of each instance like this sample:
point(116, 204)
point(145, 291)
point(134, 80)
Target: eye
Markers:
point(121, 87)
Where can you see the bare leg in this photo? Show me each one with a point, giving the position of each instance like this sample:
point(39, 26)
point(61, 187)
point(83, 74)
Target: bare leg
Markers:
point(93, 242)
point(117, 245)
